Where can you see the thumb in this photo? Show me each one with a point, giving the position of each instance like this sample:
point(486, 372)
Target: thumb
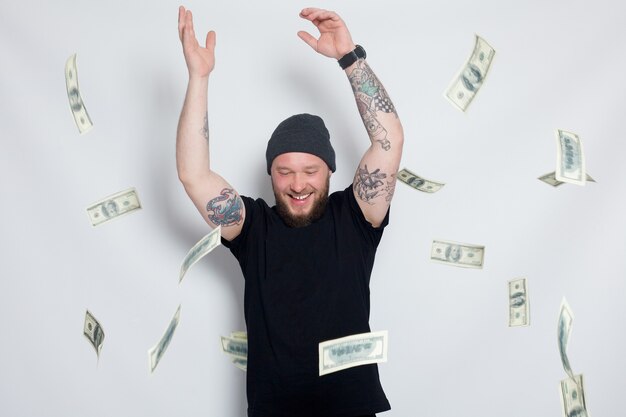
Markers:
point(210, 40)
point(309, 39)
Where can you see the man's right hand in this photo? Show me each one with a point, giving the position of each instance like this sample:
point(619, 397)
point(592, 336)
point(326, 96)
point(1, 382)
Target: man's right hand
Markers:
point(200, 61)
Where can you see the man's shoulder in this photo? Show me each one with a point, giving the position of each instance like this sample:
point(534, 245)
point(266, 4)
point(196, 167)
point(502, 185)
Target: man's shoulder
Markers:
point(340, 195)
point(257, 208)
point(345, 203)
point(258, 201)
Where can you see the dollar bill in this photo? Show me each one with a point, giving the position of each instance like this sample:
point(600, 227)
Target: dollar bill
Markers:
point(81, 117)
point(550, 179)
point(235, 347)
point(566, 317)
point(570, 159)
point(241, 363)
point(200, 249)
point(470, 78)
point(573, 397)
point(350, 351)
point(113, 206)
point(519, 306)
point(93, 332)
point(156, 352)
point(419, 183)
point(239, 335)
point(457, 254)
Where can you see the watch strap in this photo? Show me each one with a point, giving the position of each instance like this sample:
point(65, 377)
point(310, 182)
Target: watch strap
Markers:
point(351, 57)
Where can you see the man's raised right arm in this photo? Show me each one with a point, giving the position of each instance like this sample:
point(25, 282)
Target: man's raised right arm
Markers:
point(216, 200)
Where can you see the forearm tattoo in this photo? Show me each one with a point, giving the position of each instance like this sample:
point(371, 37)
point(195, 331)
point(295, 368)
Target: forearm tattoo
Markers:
point(225, 209)
point(369, 185)
point(371, 97)
point(205, 128)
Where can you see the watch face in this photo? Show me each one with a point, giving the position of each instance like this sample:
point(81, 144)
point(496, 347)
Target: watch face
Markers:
point(360, 52)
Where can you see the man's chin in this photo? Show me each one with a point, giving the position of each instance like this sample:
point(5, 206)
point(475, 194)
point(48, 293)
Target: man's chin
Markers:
point(297, 220)
point(292, 218)
point(300, 218)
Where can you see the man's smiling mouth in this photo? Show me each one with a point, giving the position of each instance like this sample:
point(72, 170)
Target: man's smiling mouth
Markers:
point(300, 197)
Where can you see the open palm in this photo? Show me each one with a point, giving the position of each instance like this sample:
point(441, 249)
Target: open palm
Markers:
point(200, 61)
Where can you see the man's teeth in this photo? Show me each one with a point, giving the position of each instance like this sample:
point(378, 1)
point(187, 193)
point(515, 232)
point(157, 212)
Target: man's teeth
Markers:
point(301, 197)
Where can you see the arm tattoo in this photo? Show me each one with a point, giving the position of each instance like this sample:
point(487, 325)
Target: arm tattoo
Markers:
point(376, 131)
point(390, 188)
point(205, 128)
point(368, 184)
point(371, 97)
point(225, 209)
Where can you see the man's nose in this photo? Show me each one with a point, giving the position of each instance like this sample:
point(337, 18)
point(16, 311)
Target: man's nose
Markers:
point(299, 183)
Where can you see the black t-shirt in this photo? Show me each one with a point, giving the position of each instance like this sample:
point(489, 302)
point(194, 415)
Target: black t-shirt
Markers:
point(304, 286)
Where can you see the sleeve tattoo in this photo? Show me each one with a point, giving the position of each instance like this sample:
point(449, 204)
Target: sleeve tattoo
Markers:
point(369, 185)
point(225, 209)
point(371, 97)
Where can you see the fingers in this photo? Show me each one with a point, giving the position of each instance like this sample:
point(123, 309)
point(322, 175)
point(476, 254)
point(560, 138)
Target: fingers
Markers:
point(317, 15)
point(210, 41)
point(189, 21)
point(185, 25)
point(189, 35)
point(308, 10)
point(181, 22)
point(309, 39)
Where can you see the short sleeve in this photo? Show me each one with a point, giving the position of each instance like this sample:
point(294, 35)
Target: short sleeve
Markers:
point(374, 233)
point(252, 212)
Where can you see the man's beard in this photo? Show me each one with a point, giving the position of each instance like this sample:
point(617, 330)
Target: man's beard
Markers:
point(317, 210)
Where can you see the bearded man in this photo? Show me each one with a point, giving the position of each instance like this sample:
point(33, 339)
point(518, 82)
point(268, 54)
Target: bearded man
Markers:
point(307, 260)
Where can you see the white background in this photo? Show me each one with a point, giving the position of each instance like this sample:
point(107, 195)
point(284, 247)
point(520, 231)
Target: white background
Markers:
point(559, 64)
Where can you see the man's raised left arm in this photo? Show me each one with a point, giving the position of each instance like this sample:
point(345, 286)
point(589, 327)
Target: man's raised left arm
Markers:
point(375, 178)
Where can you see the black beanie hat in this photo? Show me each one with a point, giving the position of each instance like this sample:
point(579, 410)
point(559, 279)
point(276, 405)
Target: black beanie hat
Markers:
point(301, 133)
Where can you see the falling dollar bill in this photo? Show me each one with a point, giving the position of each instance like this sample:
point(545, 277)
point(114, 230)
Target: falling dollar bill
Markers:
point(156, 352)
point(81, 117)
point(241, 363)
point(457, 254)
point(113, 206)
point(573, 397)
point(235, 347)
point(566, 317)
point(350, 351)
point(519, 306)
point(550, 179)
point(239, 335)
point(200, 249)
point(419, 183)
point(470, 78)
point(570, 159)
point(93, 332)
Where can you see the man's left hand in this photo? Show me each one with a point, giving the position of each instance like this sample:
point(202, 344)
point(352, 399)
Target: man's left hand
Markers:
point(334, 41)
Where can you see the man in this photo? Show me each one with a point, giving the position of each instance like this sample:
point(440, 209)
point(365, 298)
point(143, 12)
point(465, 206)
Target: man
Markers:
point(306, 261)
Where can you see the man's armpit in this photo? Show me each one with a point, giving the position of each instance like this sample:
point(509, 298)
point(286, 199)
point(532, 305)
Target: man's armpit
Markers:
point(225, 209)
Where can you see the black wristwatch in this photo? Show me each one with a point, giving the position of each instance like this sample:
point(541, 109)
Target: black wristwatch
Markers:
point(351, 57)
